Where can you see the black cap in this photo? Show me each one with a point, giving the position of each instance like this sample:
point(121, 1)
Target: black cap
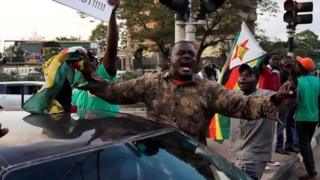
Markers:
point(253, 70)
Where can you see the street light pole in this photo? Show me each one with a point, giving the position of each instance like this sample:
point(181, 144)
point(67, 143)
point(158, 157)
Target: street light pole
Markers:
point(179, 33)
point(290, 33)
point(186, 30)
point(190, 32)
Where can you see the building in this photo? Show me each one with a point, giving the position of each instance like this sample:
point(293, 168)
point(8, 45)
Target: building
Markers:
point(30, 51)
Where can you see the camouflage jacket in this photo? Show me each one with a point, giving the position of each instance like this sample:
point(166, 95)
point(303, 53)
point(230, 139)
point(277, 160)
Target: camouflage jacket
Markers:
point(188, 107)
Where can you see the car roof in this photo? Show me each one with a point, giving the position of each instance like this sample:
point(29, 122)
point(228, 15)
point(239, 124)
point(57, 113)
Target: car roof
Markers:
point(22, 82)
point(41, 137)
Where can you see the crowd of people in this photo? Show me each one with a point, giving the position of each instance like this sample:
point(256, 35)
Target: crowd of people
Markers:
point(186, 100)
point(251, 141)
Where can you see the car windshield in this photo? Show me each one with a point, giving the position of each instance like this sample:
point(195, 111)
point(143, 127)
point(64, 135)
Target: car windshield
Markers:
point(167, 155)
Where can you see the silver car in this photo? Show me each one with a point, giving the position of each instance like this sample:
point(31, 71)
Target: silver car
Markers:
point(14, 93)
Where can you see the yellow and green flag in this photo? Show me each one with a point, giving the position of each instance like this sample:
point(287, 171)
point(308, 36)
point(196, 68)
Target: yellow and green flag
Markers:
point(60, 77)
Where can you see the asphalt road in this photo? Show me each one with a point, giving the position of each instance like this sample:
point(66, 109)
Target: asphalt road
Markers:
point(299, 169)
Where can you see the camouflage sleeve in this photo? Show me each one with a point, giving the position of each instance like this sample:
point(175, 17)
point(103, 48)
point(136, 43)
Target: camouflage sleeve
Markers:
point(128, 92)
point(229, 103)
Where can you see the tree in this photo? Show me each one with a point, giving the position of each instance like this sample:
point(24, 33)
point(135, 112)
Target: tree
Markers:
point(307, 44)
point(276, 46)
point(71, 38)
point(223, 24)
point(146, 19)
point(99, 35)
point(14, 53)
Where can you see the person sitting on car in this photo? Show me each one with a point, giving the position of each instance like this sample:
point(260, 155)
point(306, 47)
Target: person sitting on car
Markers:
point(60, 95)
point(106, 70)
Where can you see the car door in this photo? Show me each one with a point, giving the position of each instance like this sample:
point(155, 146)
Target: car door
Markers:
point(30, 90)
point(11, 99)
point(2, 95)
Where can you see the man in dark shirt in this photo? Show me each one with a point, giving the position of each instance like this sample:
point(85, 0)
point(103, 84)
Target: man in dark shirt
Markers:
point(286, 116)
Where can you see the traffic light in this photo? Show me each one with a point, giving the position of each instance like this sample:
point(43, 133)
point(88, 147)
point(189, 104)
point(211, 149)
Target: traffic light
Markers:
point(180, 6)
point(208, 6)
point(293, 14)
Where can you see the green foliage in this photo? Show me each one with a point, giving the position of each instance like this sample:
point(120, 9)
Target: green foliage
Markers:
point(276, 46)
point(225, 22)
point(149, 20)
point(99, 34)
point(14, 54)
point(306, 43)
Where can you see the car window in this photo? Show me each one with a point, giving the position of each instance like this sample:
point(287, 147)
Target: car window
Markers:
point(167, 156)
point(2, 89)
point(80, 167)
point(13, 89)
point(31, 89)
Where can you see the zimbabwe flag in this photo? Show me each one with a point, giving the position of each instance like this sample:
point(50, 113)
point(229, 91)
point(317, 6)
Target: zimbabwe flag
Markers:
point(60, 76)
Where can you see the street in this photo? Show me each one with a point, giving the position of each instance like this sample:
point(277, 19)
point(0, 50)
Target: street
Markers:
point(299, 169)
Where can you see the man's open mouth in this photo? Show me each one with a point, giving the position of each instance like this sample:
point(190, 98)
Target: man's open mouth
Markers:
point(186, 66)
point(244, 85)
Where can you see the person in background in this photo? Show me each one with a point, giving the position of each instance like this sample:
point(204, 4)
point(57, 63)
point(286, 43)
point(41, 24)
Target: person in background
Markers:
point(270, 79)
point(292, 140)
point(269, 72)
point(209, 71)
point(251, 141)
point(307, 112)
point(286, 117)
point(106, 70)
point(75, 99)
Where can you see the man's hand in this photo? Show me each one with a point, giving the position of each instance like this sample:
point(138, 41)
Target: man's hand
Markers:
point(286, 94)
point(89, 66)
point(287, 62)
point(3, 131)
point(114, 3)
point(291, 66)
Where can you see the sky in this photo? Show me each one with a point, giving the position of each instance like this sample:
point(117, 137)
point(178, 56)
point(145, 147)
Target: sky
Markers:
point(22, 19)
point(276, 28)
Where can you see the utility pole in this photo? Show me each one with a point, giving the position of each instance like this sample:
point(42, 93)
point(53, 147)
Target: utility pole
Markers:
point(185, 26)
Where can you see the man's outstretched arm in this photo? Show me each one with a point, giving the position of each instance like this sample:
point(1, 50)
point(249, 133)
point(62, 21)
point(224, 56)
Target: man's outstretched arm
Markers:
point(227, 103)
point(110, 55)
point(128, 92)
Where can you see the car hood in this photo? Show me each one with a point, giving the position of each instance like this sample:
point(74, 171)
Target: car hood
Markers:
point(33, 137)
